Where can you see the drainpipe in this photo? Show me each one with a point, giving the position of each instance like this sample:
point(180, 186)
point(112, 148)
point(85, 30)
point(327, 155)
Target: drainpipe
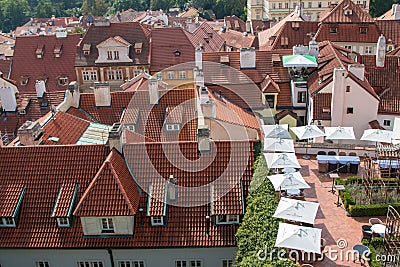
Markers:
point(111, 257)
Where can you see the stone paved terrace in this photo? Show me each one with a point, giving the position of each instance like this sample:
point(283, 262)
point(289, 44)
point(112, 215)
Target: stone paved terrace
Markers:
point(331, 219)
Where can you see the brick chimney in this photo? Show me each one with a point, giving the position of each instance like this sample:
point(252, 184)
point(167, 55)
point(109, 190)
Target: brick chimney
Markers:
point(30, 134)
point(114, 137)
point(102, 94)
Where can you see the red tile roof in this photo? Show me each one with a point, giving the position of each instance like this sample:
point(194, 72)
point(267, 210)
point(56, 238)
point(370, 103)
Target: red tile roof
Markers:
point(204, 36)
point(284, 99)
point(391, 30)
point(5, 66)
point(9, 198)
point(349, 32)
point(282, 114)
point(322, 106)
point(268, 85)
point(65, 200)
point(385, 81)
point(336, 13)
point(237, 40)
point(132, 32)
point(67, 128)
point(112, 191)
point(26, 64)
point(389, 15)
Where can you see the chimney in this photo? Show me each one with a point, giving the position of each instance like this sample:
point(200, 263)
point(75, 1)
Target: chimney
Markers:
point(102, 94)
point(313, 48)
point(61, 33)
point(248, 58)
point(172, 190)
point(338, 93)
point(102, 22)
point(203, 139)
point(74, 94)
point(248, 26)
point(396, 11)
point(8, 99)
point(114, 137)
point(30, 134)
point(204, 98)
point(358, 70)
point(153, 90)
point(40, 87)
point(381, 51)
point(198, 77)
point(199, 58)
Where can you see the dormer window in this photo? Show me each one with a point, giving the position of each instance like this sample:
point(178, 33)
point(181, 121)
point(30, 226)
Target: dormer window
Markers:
point(227, 219)
point(295, 26)
point(65, 202)
point(333, 29)
point(86, 49)
point(24, 80)
point(40, 52)
point(276, 60)
point(348, 12)
point(138, 48)
point(114, 48)
point(7, 222)
point(363, 30)
point(11, 197)
point(177, 53)
point(112, 55)
point(284, 42)
point(224, 60)
point(157, 221)
point(58, 51)
point(62, 81)
point(172, 127)
point(107, 225)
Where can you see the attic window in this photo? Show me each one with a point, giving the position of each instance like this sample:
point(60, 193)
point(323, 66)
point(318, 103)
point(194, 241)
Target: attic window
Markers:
point(285, 42)
point(9, 216)
point(326, 110)
point(7, 222)
point(333, 29)
point(276, 60)
point(157, 221)
point(224, 60)
point(177, 53)
point(295, 26)
point(86, 49)
point(363, 30)
point(348, 12)
point(40, 52)
point(210, 34)
point(207, 40)
point(63, 222)
point(62, 81)
point(58, 51)
point(227, 219)
point(172, 127)
point(138, 48)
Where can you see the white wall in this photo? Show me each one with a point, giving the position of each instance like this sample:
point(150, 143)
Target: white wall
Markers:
point(381, 118)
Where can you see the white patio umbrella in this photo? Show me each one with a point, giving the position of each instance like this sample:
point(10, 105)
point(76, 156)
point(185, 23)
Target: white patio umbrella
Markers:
point(339, 133)
point(377, 135)
point(307, 132)
point(278, 145)
point(396, 129)
point(288, 181)
point(281, 160)
point(299, 237)
point(296, 210)
point(276, 131)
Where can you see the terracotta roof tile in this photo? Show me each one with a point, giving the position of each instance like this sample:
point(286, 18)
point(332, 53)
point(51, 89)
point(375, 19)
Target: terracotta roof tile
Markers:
point(284, 97)
point(112, 191)
point(65, 200)
point(268, 85)
point(26, 64)
point(282, 114)
point(390, 29)
point(322, 106)
point(132, 32)
point(237, 40)
point(337, 13)
point(349, 32)
point(9, 198)
point(5, 66)
point(67, 128)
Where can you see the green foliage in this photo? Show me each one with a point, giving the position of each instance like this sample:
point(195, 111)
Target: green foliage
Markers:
point(44, 9)
point(118, 5)
point(94, 7)
point(379, 7)
point(205, 15)
point(228, 7)
point(15, 13)
point(370, 210)
point(160, 4)
point(372, 245)
point(77, 30)
point(259, 229)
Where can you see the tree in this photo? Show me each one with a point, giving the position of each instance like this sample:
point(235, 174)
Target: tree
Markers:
point(259, 229)
point(16, 13)
point(379, 7)
point(44, 9)
point(224, 8)
point(118, 5)
point(95, 7)
point(159, 4)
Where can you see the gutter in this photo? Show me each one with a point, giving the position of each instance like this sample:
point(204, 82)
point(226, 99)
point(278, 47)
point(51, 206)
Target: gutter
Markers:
point(111, 257)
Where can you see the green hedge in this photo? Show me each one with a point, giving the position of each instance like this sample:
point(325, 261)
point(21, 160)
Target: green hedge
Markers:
point(259, 229)
point(372, 245)
point(362, 210)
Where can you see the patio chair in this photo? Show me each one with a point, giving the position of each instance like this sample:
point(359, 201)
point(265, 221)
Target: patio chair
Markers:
point(342, 153)
point(332, 153)
point(373, 221)
point(366, 232)
point(353, 154)
point(321, 153)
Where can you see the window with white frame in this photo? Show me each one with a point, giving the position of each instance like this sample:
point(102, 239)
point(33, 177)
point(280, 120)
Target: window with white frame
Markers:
point(280, 5)
point(116, 55)
point(182, 75)
point(111, 74)
point(118, 74)
point(188, 263)
point(309, 4)
point(93, 75)
point(157, 220)
point(159, 75)
point(136, 73)
point(386, 123)
point(42, 264)
point(368, 50)
point(286, 5)
point(109, 55)
point(90, 264)
point(131, 263)
point(227, 263)
point(349, 47)
point(62, 81)
point(107, 225)
point(172, 127)
point(85, 75)
point(63, 222)
point(171, 75)
point(273, 6)
point(227, 219)
point(7, 222)
point(194, 263)
point(90, 75)
point(180, 263)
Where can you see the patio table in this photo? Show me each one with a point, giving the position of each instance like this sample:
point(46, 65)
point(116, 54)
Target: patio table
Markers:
point(379, 229)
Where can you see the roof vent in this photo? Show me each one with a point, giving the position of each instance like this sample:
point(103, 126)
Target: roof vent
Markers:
point(61, 33)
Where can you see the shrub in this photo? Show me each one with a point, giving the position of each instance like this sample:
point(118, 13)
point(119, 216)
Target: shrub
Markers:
point(370, 210)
